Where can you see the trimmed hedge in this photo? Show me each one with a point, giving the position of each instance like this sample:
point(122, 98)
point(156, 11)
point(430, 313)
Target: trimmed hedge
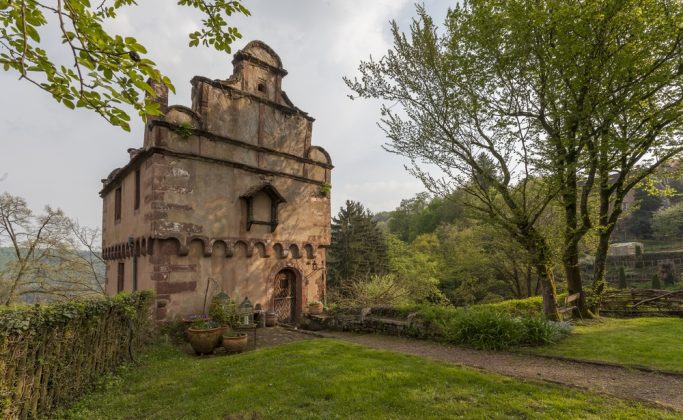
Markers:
point(50, 354)
point(532, 306)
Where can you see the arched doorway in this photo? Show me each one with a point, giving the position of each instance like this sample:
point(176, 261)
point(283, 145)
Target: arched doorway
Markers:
point(286, 299)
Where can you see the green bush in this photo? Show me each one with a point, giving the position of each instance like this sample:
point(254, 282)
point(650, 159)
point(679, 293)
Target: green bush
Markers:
point(656, 284)
point(61, 349)
point(493, 330)
point(622, 278)
point(529, 307)
point(487, 330)
point(487, 327)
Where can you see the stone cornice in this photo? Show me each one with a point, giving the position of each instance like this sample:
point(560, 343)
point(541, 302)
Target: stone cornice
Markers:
point(233, 90)
point(143, 246)
point(140, 157)
point(257, 148)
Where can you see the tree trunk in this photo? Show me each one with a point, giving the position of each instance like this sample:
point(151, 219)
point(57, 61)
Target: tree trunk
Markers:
point(572, 236)
point(608, 222)
point(528, 282)
point(548, 291)
point(538, 248)
point(574, 283)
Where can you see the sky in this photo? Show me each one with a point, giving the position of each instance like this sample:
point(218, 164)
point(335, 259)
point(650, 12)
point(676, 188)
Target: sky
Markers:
point(51, 155)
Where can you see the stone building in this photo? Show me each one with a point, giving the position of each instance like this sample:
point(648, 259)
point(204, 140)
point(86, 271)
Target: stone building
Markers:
point(228, 194)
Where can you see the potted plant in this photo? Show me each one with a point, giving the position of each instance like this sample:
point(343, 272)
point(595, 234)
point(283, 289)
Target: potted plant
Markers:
point(235, 342)
point(193, 318)
point(223, 310)
point(315, 307)
point(205, 335)
point(188, 320)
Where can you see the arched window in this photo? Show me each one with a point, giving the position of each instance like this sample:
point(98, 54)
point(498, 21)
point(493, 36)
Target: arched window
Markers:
point(262, 205)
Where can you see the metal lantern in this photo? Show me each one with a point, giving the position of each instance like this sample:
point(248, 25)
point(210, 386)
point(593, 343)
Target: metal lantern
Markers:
point(223, 300)
point(246, 312)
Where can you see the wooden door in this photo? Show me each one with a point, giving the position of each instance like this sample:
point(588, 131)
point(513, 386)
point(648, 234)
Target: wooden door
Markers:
point(284, 296)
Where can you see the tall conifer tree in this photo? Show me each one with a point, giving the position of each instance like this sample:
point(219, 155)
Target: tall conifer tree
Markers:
point(358, 247)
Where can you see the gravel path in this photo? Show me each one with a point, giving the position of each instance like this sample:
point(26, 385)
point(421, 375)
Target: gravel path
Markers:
point(661, 389)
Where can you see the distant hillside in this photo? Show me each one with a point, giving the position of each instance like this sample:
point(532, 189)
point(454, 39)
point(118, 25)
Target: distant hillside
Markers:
point(7, 254)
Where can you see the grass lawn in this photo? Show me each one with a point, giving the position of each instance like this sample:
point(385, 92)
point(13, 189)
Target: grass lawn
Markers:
point(331, 379)
point(653, 342)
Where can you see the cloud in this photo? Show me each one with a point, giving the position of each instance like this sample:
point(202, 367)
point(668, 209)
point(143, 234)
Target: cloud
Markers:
point(56, 156)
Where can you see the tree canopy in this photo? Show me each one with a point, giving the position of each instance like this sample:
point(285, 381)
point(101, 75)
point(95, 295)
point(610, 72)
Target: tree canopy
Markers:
point(523, 102)
point(104, 72)
point(358, 249)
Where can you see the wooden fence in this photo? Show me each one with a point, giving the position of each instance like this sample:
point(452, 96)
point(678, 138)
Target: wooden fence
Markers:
point(634, 302)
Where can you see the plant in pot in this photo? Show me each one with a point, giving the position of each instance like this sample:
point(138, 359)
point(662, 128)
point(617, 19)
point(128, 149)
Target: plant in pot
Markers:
point(234, 341)
point(188, 320)
point(204, 336)
point(222, 310)
point(315, 307)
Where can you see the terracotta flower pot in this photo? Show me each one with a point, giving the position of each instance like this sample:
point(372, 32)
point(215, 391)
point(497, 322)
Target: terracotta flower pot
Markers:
point(271, 319)
point(205, 341)
point(188, 320)
point(315, 308)
point(235, 342)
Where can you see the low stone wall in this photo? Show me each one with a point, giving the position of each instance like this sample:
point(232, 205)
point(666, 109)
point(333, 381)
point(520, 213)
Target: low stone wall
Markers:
point(381, 320)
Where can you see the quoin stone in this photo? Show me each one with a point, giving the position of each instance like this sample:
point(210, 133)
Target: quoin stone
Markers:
point(229, 195)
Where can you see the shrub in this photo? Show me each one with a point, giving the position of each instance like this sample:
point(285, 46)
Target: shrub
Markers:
point(486, 327)
point(529, 307)
point(493, 330)
point(622, 278)
point(487, 330)
point(386, 290)
point(50, 354)
point(224, 311)
point(656, 284)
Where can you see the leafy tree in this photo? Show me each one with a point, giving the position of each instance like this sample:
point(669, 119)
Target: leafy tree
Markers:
point(423, 214)
point(418, 266)
point(105, 71)
point(469, 273)
point(52, 256)
point(574, 95)
point(358, 249)
point(668, 222)
point(450, 116)
point(639, 223)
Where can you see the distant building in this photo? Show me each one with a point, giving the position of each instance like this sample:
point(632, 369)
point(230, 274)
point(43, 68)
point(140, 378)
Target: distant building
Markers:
point(625, 249)
point(230, 190)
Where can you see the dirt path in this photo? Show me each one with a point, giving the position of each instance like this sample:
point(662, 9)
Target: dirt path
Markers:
point(661, 389)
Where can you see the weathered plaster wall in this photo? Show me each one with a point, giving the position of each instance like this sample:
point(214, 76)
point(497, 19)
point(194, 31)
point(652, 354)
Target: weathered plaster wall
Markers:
point(198, 167)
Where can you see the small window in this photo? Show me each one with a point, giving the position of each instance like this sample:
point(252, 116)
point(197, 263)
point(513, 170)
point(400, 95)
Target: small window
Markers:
point(262, 206)
point(137, 189)
point(119, 277)
point(117, 205)
point(262, 87)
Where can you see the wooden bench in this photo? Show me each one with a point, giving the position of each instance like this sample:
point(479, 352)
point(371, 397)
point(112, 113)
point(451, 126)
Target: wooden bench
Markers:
point(569, 304)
